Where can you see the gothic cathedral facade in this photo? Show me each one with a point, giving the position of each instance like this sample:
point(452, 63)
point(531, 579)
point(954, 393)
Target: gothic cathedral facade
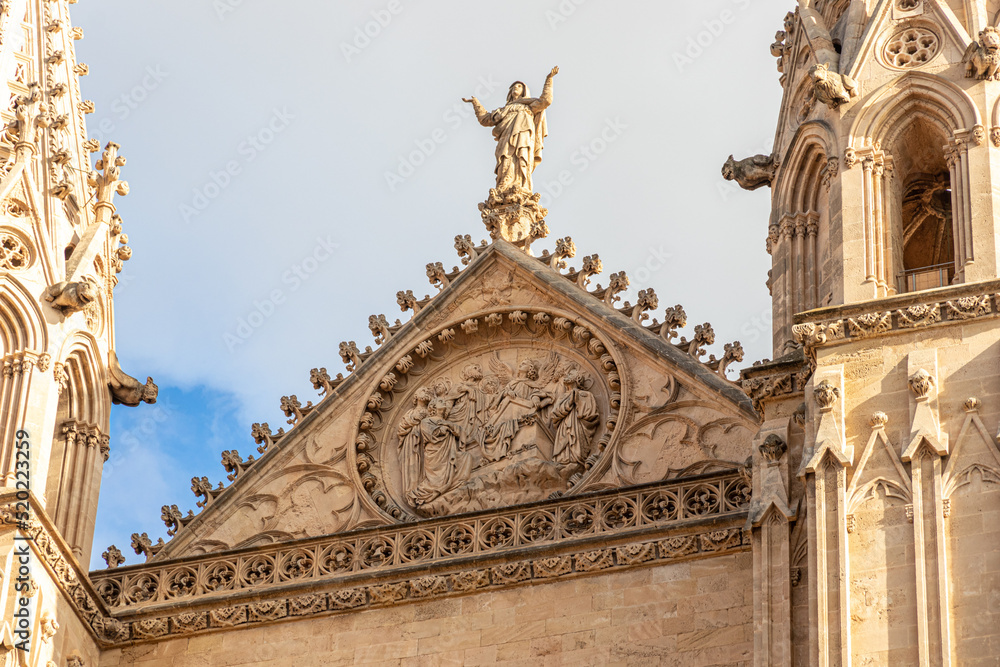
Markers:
point(529, 469)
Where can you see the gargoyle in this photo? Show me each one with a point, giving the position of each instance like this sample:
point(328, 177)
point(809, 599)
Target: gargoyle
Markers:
point(831, 88)
point(982, 58)
point(70, 297)
point(125, 389)
point(752, 172)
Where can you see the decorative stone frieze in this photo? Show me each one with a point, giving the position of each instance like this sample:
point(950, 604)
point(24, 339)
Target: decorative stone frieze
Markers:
point(775, 380)
point(900, 313)
point(464, 540)
point(355, 598)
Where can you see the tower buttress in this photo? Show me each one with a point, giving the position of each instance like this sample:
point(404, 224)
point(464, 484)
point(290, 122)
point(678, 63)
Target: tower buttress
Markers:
point(884, 237)
point(61, 248)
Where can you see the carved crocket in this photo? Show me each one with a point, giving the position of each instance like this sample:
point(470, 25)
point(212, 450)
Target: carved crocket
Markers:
point(982, 58)
point(125, 389)
point(752, 172)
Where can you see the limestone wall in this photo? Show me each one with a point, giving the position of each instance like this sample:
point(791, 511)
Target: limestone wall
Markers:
point(687, 613)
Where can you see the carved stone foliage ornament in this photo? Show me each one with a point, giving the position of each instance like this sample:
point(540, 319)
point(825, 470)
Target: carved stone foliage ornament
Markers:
point(513, 410)
point(921, 383)
point(826, 395)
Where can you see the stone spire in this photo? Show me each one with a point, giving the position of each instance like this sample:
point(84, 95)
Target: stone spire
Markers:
point(61, 248)
point(885, 258)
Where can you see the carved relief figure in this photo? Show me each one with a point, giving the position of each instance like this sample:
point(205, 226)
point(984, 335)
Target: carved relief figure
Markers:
point(520, 129)
point(470, 404)
point(301, 515)
point(576, 418)
point(517, 403)
point(445, 465)
point(982, 58)
point(481, 435)
point(411, 464)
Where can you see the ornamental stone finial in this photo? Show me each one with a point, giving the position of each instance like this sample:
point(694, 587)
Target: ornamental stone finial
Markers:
point(826, 395)
point(921, 383)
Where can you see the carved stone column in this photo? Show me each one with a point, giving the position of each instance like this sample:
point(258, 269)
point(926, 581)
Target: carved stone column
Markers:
point(82, 455)
point(957, 156)
point(15, 386)
point(812, 266)
point(787, 266)
point(875, 165)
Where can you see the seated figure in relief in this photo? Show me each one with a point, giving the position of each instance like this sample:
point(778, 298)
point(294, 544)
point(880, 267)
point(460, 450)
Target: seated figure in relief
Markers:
point(519, 403)
point(576, 418)
point(445, 465)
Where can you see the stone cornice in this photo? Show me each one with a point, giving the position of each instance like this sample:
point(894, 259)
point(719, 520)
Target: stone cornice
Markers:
point(665, 521)
point(776, 379)
point(897, 314)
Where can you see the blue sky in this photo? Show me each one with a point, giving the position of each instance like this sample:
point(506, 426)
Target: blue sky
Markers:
point(293, 165)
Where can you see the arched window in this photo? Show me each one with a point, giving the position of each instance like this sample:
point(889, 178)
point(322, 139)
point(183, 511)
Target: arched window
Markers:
point(913, 139)
point(923, 239)
point(799, 233)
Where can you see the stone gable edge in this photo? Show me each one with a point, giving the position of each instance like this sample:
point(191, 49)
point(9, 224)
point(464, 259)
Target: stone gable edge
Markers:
point(563, 285)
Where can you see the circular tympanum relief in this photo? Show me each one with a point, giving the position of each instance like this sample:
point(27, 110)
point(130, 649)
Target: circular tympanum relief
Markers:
point(501, 409)
point(911, 47)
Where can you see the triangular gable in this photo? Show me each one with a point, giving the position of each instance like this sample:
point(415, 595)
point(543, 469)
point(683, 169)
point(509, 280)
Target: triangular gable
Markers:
point(506, 316)
point(952, 33)
point(975, 453)
point(18, 193)
point(878, 467)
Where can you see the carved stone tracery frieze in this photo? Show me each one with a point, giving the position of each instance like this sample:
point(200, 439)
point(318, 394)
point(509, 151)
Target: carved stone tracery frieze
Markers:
point(465, 418)
point(455, 542)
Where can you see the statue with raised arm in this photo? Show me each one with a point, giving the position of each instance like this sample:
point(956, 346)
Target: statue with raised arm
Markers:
point(512, 211)
point(519, 129)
